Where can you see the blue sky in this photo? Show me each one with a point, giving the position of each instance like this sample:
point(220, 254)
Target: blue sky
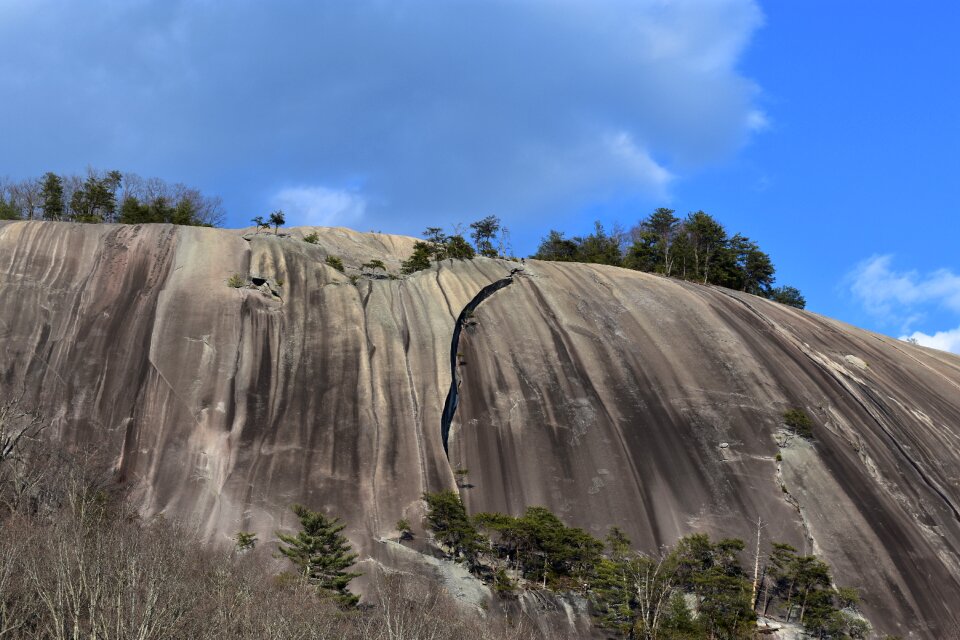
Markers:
point(826, 131)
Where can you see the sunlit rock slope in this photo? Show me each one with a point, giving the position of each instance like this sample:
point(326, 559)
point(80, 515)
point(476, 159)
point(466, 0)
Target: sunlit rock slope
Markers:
point(610, 396)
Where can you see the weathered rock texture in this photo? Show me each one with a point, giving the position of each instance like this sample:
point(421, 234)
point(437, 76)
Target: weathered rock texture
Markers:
point(602, 393)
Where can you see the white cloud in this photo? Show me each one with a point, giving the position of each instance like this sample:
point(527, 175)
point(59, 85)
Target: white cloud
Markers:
point(894, 295)
point(318, 206)
point(943, 340)
point(906, 298)
point(637, 162)
point(757, 120)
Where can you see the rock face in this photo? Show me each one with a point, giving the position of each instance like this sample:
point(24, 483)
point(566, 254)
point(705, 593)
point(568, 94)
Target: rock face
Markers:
point(601, 393)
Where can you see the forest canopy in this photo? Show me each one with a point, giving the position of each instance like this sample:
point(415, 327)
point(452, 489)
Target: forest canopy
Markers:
point(696, 248)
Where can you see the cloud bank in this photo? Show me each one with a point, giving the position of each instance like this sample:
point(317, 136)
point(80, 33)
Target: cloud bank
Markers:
point(320, 206)
point(905, 298)
point(437, 109)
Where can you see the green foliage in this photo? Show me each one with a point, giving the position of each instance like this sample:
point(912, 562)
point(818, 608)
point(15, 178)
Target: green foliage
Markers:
point(439, 246)
point(542, 548)
point(800, 586)
point(112, 196)
point(96, 200)
point(236, 281)
point(790, 296)
point(679, 623)
point(599, 247)
point(403, 526)
point(419, 260)
point(447, 518)
point(157, 210)
point(322, 554)
point(694, 248)
point(8, 210)
point(503, 585)
point(245, 540)
point(799, 422)
point(484, 233)
point(374, 265)
point(335, 262)
point(557, 248)
point(277, 219)
point(436, 243)
point(618, 543)
point(695, 590)
point(713, 574)
point(312, 238)
point(457, 248)
point(848, 597)
point(654, 239)
point(648, 596)
point(52, 195)
point(612, 592)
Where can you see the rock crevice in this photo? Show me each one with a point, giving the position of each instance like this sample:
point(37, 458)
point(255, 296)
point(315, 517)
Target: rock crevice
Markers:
point(453, 395)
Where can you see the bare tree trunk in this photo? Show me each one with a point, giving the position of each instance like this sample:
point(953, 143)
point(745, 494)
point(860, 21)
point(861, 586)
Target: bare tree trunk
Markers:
point(756, 565)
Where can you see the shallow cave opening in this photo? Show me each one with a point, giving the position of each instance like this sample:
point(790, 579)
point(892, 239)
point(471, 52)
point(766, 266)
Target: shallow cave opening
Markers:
point(258, 282)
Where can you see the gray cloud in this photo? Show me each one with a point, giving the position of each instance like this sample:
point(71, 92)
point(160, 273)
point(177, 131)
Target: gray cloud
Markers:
point(423, 110)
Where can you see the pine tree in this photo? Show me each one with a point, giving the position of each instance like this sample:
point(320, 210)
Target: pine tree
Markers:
point(52, 194)
point(789, 296)
point(484, 232)
point(557, 248)
point(277, 219)
point(420, 259)
point(458, 248)
point(452, 527)
point(8, 210)
point(322, 554)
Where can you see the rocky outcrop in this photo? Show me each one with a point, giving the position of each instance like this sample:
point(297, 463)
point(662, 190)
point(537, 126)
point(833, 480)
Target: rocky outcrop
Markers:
point(601, 393)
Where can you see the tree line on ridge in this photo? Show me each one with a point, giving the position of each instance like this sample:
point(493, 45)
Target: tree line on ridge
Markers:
point(696, 248)
point(107, 196)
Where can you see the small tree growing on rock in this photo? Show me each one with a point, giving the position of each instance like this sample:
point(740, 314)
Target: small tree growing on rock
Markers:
point(260, 223)
point(277, 219)
point(374, 265)
point(419, 260)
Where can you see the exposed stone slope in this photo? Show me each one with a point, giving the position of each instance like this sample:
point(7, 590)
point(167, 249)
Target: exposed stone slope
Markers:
point(604, 394)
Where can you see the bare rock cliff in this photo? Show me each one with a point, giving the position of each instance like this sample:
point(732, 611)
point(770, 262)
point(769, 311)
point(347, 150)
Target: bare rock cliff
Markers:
point(610, 396)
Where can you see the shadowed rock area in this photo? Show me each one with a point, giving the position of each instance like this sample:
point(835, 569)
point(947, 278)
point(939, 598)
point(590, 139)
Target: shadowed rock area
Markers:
point(610, 396)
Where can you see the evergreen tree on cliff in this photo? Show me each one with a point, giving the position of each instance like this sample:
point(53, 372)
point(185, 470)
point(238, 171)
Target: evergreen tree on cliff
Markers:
point(277, 219)
point(484, 231)
point(322, 554)
point(52, 195)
